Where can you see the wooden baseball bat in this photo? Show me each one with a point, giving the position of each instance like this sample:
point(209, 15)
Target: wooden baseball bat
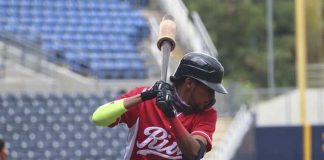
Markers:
point(166, 42)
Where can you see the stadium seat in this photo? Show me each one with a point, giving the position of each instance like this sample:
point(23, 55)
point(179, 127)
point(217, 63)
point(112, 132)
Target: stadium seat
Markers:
point(57, 126)
point(96, 26)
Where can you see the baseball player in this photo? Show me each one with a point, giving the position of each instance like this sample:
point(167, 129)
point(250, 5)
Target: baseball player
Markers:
point(170, 121)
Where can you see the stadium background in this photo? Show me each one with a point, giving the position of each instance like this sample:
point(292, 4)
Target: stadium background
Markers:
point(59, 60)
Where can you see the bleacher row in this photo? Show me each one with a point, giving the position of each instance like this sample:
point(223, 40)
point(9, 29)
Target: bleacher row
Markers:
point(67, 29)
point(57, 126)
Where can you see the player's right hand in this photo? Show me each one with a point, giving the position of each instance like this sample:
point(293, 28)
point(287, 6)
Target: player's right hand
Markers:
point(151, 92)
point(164, 102)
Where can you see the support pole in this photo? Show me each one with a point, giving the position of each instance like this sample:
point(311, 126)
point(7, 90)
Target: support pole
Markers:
point(301, 76)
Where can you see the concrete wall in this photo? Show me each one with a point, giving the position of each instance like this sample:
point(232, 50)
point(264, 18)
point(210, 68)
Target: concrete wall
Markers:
point(284, 109)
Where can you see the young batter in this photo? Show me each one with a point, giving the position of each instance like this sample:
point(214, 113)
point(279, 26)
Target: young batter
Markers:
point(170, 121)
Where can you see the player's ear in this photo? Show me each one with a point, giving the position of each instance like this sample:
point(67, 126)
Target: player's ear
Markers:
point(190, 83)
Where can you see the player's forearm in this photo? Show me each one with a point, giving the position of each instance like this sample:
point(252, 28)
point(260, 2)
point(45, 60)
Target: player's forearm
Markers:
point(187, 144)
point(130, 102)
point(109, 112)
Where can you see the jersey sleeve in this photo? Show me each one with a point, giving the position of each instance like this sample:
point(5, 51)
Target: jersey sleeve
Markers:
point(204, 125)
point(130, 116)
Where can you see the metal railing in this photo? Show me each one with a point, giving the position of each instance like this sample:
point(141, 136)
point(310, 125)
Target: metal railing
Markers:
point(234, 135)
point(23, 52)
point(315, 75)
point(209, 45)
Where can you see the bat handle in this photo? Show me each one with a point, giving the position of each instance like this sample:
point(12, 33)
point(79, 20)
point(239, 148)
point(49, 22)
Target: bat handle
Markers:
point(166, 50)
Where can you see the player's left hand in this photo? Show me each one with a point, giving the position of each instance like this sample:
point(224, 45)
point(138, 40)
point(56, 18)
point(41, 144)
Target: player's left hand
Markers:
point(164, 102)
point(152, 91)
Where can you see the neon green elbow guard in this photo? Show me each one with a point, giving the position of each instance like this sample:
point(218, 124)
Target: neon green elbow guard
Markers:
point(108, 113)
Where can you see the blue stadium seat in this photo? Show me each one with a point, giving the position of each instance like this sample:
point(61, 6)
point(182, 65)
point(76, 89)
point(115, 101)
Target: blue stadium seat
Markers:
point(56, 23)
point(46, 129)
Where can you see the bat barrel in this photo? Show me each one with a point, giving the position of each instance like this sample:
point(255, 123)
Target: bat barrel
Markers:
point(167, 32)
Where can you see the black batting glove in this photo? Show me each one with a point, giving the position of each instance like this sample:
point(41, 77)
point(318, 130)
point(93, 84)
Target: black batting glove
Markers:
point(152, 91)
point(164, 102)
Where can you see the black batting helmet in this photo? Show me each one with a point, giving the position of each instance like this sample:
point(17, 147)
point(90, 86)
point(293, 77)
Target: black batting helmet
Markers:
point(202, 67)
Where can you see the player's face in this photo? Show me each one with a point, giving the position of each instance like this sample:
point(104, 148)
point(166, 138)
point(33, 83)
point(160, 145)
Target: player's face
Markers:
point(201, 97)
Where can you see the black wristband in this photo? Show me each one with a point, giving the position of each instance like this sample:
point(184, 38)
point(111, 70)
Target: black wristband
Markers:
point(148, 94)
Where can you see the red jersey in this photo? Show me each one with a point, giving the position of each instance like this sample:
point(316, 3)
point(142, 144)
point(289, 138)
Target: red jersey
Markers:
point(151, 136)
